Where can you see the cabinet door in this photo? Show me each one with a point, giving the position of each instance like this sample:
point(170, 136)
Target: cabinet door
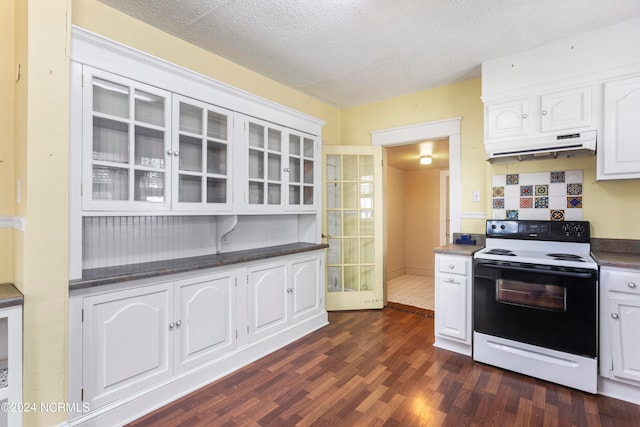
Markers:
point(204, 318)
point(304, 292)
point(126, 137)
point(126, 342)
point(619, 154)
point(202, 156)
point(267, 299)
point(624, 320)
point(569, 109)
point(508, 119)
point(451, 306)
point(265, 164)
point(302, 172)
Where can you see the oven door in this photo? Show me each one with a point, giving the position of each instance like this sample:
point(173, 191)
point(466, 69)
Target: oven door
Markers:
point(547, 306)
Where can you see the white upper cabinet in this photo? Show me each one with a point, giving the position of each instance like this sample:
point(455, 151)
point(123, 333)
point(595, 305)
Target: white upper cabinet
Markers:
point(126, 134)
point(539, 114)
point(619, 151)
point(201, 151)
point(302, 171)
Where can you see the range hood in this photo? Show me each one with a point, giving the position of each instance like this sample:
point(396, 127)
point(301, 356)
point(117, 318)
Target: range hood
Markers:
point(543, 147)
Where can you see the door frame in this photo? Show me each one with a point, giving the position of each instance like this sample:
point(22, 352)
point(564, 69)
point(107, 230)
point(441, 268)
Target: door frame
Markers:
point(439, 129)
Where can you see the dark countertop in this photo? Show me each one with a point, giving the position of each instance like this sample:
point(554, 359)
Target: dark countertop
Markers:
point(124, 273)
point(10, 296)
point(621, 253)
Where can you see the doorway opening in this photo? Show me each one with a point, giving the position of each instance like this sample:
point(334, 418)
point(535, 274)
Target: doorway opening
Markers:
point(417, 219)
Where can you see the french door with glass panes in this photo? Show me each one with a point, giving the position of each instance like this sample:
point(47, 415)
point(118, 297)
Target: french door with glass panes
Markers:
point(353, 227)
point(126, 143)
point(201, 156)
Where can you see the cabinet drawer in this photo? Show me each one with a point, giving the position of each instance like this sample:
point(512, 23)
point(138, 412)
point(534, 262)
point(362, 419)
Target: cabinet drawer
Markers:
point(453, 264)
point(622, 281)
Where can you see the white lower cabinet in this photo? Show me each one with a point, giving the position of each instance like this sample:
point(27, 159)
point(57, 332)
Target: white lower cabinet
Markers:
point(620, 318)
point(162, 339)
point(453, 303)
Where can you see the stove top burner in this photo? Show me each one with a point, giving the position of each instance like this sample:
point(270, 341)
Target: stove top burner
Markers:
point(496, 251)
point(566, 257)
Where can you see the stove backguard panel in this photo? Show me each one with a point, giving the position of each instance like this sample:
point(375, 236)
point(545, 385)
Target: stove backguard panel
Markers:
point(550, 196)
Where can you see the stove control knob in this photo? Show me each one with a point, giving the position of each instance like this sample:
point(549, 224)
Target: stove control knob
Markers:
point(493, 226)
point(502, 227)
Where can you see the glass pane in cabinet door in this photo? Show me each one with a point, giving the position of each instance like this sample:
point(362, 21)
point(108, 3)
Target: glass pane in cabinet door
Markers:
point(149, 108)
point(334, 198)
point(366, 223)
point(334, 223)
point(294, 169)
point(274, 194)
point(110, 183)
point(256, 164)
point(333, 168)
point(350, 247)
point(366, 251)
point(350, 168)
point(366, 278)
point(189, 189)
point(334, 253)
point(350, 223)
point(350, 195)
point(294, 145)
point(274, 166)
point(294, 195)
point(334, 279)
point(351, 279)
point(216, 125)
point(190, 154)
point(275, 140)
point(366, 168)
point(256, 193)
point(216, 158)
point(216, 190)
point(256, 135)
point(308, 148)
point(366, 195)
point(308, 172)
point(149, 147)
point(308, 195)
point(148, 186)
point(110, 98)
point(110, 140)
point(190, 119)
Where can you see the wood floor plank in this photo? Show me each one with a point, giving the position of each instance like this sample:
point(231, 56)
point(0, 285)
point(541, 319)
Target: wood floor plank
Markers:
point(379, 368)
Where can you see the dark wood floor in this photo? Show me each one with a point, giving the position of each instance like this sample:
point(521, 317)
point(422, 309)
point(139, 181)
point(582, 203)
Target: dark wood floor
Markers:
point(379, 368)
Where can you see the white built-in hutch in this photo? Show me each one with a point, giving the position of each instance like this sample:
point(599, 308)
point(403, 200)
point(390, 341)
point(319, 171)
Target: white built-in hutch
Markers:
point(194, 230)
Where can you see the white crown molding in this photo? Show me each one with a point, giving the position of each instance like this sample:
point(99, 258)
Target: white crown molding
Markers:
point(108, 55)
point(416, 132)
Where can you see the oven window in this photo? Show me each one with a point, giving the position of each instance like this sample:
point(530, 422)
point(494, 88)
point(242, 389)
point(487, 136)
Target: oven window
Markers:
point(545, 297)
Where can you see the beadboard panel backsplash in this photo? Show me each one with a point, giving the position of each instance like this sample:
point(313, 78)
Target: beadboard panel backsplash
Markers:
point(120, 240)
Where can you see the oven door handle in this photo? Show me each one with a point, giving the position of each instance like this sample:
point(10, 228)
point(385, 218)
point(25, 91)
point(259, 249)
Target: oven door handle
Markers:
point(581, 275)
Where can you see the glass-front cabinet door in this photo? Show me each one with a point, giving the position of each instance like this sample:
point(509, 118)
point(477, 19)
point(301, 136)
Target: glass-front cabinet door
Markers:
point(201, 156)
point(126, 136)
point(264, 166)
point(301, 171)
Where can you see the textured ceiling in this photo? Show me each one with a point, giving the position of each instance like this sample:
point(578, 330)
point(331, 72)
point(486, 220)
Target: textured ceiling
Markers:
point(351, 52)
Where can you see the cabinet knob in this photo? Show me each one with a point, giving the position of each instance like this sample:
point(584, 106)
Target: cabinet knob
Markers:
point(175, 153)
point(614, 315)
point(179, 322)
point(524, 116)
point(450, 279)
point(544, 112)
point(631, 285)
point(451, 266)
point(172, 325)
point(169, 152)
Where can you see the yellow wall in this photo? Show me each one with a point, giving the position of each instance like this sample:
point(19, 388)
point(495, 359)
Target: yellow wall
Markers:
point(7, 40)
point(456, 100)
point(394, 190)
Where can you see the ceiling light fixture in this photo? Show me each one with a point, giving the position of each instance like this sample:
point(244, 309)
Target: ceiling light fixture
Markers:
point(425, 160)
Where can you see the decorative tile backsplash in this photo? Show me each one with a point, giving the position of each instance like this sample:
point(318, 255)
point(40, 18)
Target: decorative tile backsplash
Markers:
point(555, 196)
